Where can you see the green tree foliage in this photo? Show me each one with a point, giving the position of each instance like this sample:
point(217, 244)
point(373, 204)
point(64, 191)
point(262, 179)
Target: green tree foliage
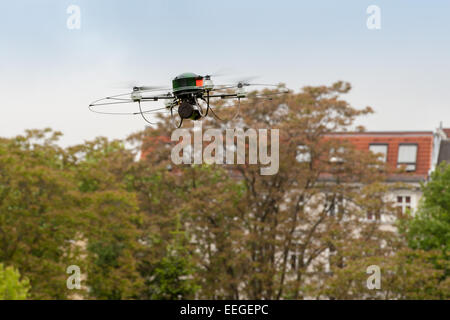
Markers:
point(11, 286)
point(406, 274)
point(112, 217)
point(430, 228)
point(75, 206)
point(39, 211)
point(172, 276)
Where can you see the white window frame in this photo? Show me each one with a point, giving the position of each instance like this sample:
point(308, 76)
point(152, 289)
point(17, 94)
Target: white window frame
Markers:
point(403, 205)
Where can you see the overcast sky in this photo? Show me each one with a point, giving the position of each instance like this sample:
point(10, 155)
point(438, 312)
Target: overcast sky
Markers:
point(49, 73)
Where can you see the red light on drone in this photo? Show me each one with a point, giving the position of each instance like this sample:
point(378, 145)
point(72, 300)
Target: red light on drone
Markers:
point(199, 82)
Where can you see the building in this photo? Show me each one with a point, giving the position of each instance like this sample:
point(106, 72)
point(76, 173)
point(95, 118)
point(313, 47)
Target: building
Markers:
point(412, 156)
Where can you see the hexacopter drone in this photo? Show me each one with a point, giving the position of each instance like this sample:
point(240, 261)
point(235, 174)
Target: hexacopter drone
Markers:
point(189, 91)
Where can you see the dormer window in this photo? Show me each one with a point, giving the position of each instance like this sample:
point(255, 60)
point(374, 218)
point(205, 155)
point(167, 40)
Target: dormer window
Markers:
point(407, 156)
point(303, 154)
point(381, 150)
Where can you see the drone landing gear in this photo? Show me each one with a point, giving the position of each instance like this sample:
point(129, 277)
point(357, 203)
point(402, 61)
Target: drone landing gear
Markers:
point(142, 113)
point(219, 118)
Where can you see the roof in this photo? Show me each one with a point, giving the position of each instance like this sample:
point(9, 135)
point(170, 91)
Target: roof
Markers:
point(393, 139)
point(444, 152)
point(383, 133)
point(362, 141)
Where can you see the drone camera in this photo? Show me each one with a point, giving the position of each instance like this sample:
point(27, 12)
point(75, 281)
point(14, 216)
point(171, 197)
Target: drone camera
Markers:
point(188, 111)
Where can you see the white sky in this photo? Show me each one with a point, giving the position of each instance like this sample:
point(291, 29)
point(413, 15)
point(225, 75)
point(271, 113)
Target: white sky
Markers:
point(49, 74)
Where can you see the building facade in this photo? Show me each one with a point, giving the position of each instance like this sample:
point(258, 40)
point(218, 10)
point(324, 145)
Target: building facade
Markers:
point(411, 157)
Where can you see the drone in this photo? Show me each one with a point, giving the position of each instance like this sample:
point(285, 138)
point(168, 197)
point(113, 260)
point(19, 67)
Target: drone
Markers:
point(189, 91)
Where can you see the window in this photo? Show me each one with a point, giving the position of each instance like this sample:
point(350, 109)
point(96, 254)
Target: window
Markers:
point(407, 155)
point(403, 205)
point(381, 149)
point(373, 216)
point(335, 155)
point(294, 261)
point(295, 257)
point(303, 154)
point(335, 205)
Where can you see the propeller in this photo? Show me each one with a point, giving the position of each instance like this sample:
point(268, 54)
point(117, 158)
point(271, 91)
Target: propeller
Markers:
point(136, 86)
point(149, 88)
point(222, 72)
point(245, 81)
point(240, 83)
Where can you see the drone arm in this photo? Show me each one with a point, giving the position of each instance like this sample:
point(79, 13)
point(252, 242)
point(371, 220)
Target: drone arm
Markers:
point(156, 98)
point(223, 96)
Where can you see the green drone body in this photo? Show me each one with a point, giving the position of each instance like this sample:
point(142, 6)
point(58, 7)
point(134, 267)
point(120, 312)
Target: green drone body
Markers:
point(187, 82)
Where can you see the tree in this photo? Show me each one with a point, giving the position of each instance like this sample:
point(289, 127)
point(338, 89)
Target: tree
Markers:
point(39, 216)
point(429, 229)
point(268, 237)
point(112, 228)
point(131, 252)
point(172, 276)
point(406, 274)
point(213, 218)
point(11, 286)
point(78, 206)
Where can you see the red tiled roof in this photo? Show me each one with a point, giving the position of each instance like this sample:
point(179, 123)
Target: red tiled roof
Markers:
point(423, 139)
point(383, 133)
